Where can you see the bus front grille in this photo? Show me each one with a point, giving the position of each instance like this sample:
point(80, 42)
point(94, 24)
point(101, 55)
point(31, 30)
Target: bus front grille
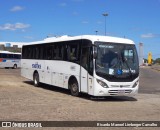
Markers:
point(119, 92)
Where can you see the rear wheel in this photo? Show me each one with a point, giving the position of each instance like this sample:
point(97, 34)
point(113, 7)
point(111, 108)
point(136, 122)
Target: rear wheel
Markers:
point(36, 79)
point(74, 88)
point(15, 66)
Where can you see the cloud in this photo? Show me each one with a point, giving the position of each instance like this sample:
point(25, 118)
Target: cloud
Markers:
point(77, 0)
point(17, 8)
point(63, 4)
point(99, 22)
point(85, 22)
point(150, 35)
point(28, 37)
point(15, 26)
point(75, 13)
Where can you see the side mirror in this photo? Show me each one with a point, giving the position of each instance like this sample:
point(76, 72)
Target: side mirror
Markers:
point(95, 55)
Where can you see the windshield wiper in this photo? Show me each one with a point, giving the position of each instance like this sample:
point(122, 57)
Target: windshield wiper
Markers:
point(125, 61)
point(121, 60)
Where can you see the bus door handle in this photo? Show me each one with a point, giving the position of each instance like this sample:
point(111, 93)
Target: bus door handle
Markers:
point(83, 77)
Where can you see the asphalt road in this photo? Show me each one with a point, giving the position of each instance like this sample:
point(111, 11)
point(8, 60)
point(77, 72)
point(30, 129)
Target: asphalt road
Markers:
point(149, 81)
point(21, 101)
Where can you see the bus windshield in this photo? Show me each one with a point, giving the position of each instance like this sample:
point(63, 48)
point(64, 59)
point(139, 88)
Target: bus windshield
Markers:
point(116, 61)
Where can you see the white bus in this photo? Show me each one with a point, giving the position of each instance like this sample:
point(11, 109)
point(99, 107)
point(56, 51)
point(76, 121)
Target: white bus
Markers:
point(96, 65)
point(10, 59)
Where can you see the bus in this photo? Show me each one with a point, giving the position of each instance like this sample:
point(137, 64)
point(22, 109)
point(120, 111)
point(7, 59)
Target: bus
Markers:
point(10, 59)
point(96, 65)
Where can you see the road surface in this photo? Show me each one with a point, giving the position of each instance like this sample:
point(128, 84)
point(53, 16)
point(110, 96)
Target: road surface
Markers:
point(21, 101)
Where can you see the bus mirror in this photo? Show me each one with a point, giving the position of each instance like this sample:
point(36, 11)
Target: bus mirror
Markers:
point(95, 55)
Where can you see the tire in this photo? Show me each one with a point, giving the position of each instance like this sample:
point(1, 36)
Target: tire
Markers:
point(14, 66)
point(36, 80)
point(74, 88)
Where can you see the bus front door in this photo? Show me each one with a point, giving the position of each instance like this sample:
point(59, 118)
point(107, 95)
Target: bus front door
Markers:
point(84, 70)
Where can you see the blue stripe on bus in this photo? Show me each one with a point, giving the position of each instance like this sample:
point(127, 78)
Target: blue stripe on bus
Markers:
point(5, 60)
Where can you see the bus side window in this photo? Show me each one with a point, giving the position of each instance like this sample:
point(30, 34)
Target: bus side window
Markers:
point(11, 56)
point(58, 52)
point(7, 55)
point(29, 53)
point(37, 52)
point(84, 61)
point(41, 52)
point(33, 52)
point(87, 56)
point(65, 52)
point(24, 52)
point(53, 53)
point(18, 56)
point(73, 52)
point(49, 52)
point(15, 56)
point(4, 55)
point(90, 70)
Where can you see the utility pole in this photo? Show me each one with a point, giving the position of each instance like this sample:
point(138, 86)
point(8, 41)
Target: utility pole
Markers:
point(140, 53)
point(105, 15)
point(96, 32)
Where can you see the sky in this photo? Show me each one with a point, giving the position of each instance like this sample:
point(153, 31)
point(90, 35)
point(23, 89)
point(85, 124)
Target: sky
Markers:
point(33, 20)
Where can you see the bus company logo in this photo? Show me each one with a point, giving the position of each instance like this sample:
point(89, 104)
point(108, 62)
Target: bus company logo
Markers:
point(36, 65)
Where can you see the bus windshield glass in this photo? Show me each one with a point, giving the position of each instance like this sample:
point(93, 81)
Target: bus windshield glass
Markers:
point(116, 61)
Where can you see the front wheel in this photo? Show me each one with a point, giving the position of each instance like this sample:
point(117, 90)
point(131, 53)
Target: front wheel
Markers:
point(36, 79)
point(74, 88)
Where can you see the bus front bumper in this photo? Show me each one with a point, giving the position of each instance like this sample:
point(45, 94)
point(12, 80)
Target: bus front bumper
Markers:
point(116, 91)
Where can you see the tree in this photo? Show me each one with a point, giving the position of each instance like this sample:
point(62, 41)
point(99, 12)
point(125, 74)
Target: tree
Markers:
point(157, 60)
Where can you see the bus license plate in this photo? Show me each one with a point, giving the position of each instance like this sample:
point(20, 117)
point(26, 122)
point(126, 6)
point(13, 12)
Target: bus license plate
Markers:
point(121, 92)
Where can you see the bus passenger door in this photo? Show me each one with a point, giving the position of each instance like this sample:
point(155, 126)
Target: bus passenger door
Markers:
point(87, 70)
point(84, 69)
point(47, 72)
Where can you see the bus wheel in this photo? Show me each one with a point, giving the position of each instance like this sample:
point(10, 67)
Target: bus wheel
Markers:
point(74, 88)
point(36, 79)
point(15, 66)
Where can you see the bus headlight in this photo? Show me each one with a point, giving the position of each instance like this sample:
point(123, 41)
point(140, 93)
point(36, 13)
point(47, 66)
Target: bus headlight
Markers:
point(103, 84)
point(135, 84)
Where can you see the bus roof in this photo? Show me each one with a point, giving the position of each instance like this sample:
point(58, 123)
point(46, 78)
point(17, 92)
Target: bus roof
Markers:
point(8, 52)
point(89, 37)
